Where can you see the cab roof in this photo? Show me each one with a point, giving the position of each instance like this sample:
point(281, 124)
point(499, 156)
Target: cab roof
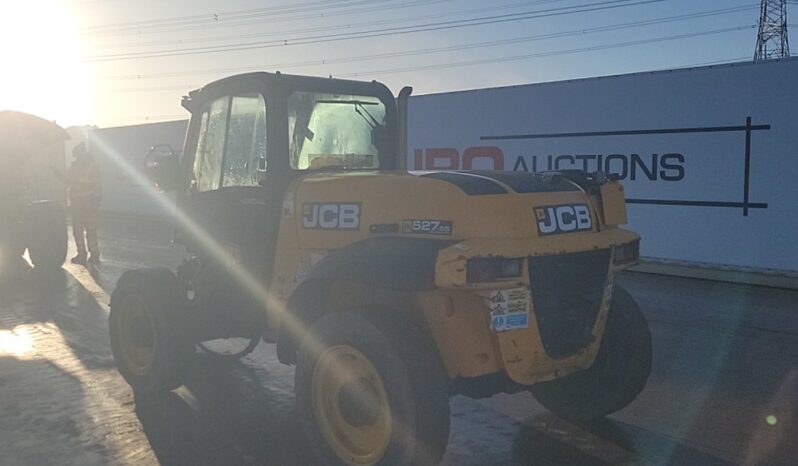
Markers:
point(292, 81)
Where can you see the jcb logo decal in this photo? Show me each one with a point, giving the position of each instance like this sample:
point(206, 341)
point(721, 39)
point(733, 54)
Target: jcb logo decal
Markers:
point(331, 216)
point(563, 219)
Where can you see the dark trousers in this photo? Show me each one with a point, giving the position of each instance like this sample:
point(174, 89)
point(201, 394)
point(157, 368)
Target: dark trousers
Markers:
point(84, 224)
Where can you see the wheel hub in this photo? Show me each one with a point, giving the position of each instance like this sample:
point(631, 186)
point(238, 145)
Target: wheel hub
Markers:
point(358, 402)
point(351, 405)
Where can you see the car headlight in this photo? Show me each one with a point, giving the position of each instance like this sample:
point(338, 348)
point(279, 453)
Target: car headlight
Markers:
point(627, 253)
point(491, 269)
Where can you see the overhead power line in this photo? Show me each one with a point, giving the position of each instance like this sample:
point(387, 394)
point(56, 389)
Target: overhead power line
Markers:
point(215, 17)
point(431, 50)
point(155, 118)
point(457, 64)
point(294, 17)
point(336, 27)
point(615, 45)
point(444, 25)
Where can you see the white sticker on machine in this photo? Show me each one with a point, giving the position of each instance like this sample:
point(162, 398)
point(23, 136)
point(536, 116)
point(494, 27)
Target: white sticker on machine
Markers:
point(509, 309)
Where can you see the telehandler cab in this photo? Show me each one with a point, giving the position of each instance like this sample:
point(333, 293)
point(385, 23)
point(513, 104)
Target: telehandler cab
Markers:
point(389, 290)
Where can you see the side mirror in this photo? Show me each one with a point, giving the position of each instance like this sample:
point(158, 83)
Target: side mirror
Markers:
point(163, 167)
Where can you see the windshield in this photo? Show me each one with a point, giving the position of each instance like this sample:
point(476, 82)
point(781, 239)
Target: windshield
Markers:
point(329, 130)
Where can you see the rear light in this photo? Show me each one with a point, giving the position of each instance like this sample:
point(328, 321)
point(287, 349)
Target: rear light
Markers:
point(627, 253)
point(491, 269)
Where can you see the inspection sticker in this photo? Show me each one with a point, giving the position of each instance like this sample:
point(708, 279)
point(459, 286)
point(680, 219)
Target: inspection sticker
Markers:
point(509, 309)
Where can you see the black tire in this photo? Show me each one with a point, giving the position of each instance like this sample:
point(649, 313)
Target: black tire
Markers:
point(617, 376)
point(47, 235)
point(148, 309)
point(410, 371)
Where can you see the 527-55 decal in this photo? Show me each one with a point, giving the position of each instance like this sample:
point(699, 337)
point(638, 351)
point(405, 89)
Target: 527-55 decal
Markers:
point(568, 218)
point(427, 227)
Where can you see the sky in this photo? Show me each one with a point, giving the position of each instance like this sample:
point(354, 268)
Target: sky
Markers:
point(119, 62)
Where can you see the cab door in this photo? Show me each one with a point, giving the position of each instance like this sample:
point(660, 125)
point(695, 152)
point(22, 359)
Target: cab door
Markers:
point(230, 212)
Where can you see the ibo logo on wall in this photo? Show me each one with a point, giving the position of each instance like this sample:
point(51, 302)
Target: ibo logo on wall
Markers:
point(706, 156)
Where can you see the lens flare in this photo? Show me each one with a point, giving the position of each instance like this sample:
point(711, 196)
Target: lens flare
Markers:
point(14, 343)
point(275, 308)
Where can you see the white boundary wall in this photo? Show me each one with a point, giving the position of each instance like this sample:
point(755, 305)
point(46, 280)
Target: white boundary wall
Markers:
point(704, 184)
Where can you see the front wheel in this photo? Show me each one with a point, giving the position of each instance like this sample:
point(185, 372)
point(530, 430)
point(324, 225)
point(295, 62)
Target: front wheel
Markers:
point(148, 328)
point(372, 392)
point(618, 374)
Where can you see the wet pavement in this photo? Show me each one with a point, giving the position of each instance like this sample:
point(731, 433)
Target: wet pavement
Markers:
point(723, 390)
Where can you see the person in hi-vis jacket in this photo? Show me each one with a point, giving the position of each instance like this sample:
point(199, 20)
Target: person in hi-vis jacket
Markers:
point(85, 191)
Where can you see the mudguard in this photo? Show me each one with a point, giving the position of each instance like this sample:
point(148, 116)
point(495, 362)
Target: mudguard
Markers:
point(399, 264)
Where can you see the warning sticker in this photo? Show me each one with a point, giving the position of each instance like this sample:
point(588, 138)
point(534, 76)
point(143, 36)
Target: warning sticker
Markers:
point(509, 309)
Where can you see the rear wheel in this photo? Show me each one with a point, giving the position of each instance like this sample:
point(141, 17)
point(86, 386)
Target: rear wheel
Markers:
point(617, 376)
point(372, 392)
point(149, 339)
point(47, 235)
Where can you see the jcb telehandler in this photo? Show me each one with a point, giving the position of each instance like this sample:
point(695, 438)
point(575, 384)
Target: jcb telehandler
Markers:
point(389, 290)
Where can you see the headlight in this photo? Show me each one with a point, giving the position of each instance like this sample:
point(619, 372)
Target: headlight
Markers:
point(627, 253)
point(491, 269)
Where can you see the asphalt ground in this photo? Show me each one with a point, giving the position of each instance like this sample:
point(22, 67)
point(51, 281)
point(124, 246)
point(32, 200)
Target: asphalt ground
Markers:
point(723, 390)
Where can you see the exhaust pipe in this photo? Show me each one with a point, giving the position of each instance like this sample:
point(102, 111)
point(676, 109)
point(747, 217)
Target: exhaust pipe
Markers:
point(401, 103)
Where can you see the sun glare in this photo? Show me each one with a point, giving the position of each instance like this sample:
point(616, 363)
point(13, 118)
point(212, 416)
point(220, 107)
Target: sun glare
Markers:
point(43, 68)
point(14, 343)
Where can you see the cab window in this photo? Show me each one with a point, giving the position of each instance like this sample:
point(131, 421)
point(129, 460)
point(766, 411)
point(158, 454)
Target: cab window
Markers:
point(246, 141)
point(210, 145)
point(231, 144)
point(330, 130)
